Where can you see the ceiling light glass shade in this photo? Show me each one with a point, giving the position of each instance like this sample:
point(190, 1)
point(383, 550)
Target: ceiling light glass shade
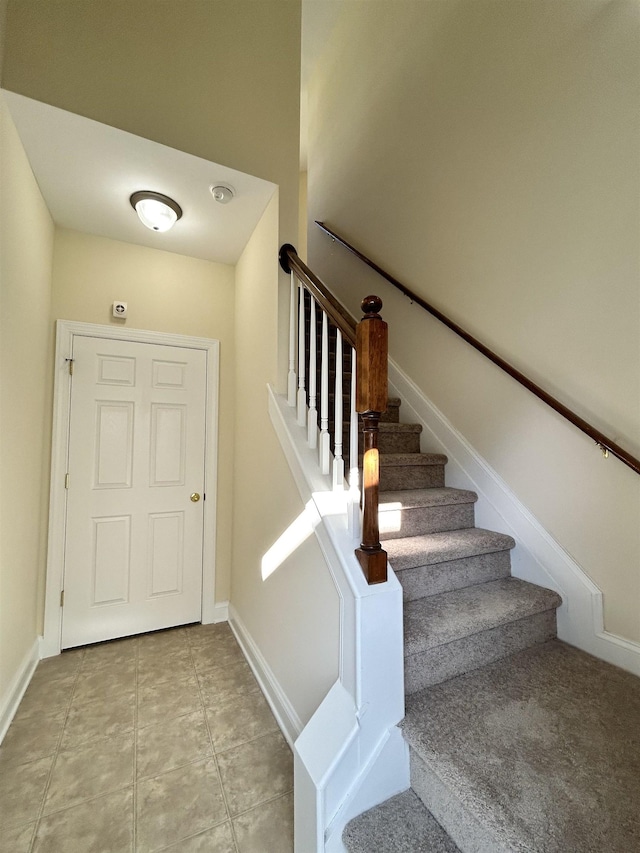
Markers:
point(158, 212)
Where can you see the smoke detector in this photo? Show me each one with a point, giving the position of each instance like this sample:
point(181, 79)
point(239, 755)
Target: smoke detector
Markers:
point(222, 193)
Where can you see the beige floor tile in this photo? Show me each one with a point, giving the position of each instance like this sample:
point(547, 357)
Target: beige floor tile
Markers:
point(103, 825)
point(88, 721)
point(102, 683)
point(162, 641)
point(216, 840)
point(268, 827)
point(46, 698)
point(30, 738)
point(112, 653)
point(237, 718)
point(203, 635)
point(214, 656)
point(172, 699)
point(158, 666)
point(178, 804)
point(256, 771)
point(171, 744)
point(216, 684)
point(17, 840)
point(60, 666)
point(22, 788)
point(90, 770)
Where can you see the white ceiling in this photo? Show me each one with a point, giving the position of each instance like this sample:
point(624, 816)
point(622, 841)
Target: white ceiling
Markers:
point(87, 171)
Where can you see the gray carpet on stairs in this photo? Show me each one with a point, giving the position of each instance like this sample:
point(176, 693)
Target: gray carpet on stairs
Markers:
point(539, 752)
point(442, 547)
point(439, 619)
point(400, 825)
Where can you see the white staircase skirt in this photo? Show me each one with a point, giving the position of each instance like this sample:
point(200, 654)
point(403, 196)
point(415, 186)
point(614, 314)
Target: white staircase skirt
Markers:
point(351, 755)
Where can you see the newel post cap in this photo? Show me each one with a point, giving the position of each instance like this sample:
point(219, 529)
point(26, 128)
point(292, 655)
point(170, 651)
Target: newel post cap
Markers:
point(371, 307)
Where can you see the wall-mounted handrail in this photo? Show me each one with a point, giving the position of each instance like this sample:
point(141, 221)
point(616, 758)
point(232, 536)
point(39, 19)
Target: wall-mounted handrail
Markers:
point(368, 340)
point(604, 443)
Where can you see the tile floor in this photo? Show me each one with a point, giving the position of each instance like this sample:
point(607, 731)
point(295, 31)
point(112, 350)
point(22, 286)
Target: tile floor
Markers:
point(158, 742)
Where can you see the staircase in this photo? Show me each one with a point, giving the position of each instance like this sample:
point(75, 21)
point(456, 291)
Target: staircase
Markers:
point(518, 742)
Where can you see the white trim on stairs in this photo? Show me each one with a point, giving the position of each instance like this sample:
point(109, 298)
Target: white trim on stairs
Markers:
point(13, 695)
point(350, 756)
point(538, 557)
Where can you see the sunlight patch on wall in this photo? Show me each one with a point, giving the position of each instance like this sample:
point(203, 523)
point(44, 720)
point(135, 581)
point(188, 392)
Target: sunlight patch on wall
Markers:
point(296, 533)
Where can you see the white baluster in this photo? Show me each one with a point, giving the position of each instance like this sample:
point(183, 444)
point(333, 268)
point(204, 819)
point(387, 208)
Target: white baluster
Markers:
point(325, 443)
point(292, 379)
point(302, 396)
point(338, 461)
point(354, 471)
point(312, 415)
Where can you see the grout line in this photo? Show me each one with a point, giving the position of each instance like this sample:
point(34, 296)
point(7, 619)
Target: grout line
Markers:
point(195, 835)
point(264, 803)
point(213, 752)
point(273, 731)
point(55, 757)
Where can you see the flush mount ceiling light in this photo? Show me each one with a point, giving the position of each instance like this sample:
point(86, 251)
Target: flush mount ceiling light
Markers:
point(222, 193)
point(155, 210)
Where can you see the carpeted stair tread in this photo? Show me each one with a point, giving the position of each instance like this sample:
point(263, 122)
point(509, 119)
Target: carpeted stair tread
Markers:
point(439, 619)
point(411, 498)
point(432, 548)
point(399, 825)
point(539, 751)
point(396, 459)
point(432, 509)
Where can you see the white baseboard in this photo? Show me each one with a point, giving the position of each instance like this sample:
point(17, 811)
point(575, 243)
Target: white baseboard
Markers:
point(16, 690)
point(286, 716)
point(537, 557)
point(215, 613)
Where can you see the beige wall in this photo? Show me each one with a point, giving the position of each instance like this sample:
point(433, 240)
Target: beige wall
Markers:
point(164, 292)
point(301, 245)
point(26, 244)
point(486, 152)
point(217, 79)
point(293, 614)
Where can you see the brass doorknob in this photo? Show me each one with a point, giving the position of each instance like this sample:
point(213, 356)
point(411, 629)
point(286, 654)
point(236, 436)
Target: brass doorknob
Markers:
point(195, 497)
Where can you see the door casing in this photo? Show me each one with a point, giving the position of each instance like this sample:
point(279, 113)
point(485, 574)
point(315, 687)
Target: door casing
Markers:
point(65, 331)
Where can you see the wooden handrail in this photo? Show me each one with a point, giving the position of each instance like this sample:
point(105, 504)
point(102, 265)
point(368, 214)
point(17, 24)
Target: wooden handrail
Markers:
point(604, 443)
point(369, 340)
point(337, 313)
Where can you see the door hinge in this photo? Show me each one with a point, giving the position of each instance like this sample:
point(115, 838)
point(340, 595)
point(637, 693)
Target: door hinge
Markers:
point(66, 481)
point(70, 364)
point(61, 598)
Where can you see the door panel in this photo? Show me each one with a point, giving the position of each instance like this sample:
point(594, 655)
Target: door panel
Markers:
point(133, 552)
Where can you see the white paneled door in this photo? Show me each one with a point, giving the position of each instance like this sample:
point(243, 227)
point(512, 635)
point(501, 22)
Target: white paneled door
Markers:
point(133, 542)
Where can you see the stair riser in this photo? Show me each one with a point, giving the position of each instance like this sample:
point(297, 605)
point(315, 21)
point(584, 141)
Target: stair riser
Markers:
point(424, 581)
point(391, 416)
point(450, 812)
point(389, 442)
point(395, 524)
point(396, 477)
point(448, 661)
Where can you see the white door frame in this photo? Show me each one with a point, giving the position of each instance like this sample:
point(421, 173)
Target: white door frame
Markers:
point(65, 331)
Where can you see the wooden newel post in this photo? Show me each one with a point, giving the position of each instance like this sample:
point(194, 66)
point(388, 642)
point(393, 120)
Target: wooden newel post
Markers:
point(371, 402)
